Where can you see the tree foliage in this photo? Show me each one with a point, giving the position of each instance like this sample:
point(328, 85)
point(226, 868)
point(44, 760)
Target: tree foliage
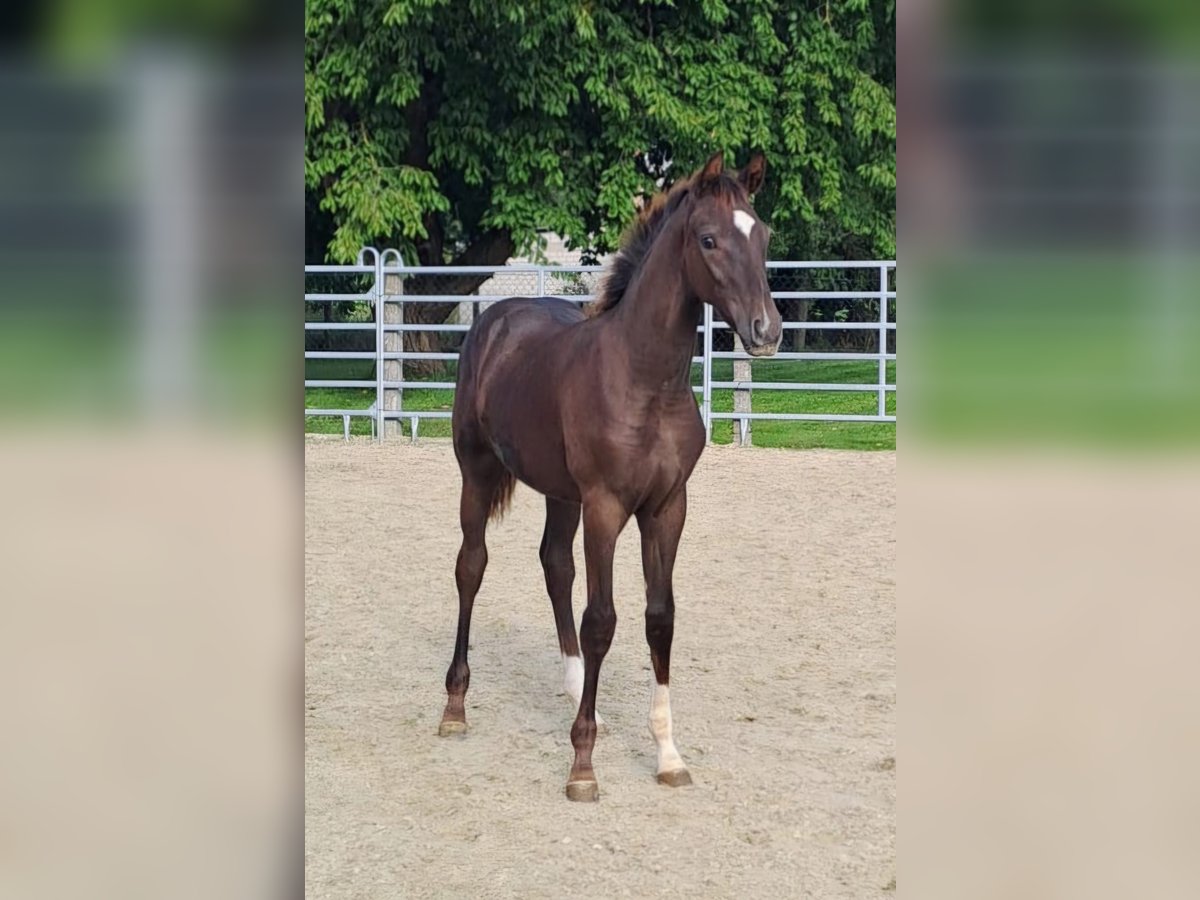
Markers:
point(458, 129)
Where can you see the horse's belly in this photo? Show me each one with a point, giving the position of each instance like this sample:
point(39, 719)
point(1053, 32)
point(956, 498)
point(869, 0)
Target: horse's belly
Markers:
point(545, 483)
point(539, 471)
point(531, 447)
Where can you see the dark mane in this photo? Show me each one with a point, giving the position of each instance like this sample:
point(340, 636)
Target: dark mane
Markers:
point(639, 237)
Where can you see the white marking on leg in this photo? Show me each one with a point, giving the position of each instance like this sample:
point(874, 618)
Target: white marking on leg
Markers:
point(573, 677)
point(743, 221)
point(573, 681)
point(669, 759)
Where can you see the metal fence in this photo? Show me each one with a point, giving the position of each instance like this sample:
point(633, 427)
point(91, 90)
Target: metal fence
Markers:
point(356, 315)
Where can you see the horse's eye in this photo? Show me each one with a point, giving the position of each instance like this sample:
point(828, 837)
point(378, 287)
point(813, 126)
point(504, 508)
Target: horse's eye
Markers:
point(708, 242)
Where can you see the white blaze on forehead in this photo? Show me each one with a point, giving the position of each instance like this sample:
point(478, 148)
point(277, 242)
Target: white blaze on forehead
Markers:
point(743, 221)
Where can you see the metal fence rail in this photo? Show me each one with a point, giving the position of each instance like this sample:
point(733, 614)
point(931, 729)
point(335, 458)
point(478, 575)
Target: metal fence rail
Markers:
point(384, 289)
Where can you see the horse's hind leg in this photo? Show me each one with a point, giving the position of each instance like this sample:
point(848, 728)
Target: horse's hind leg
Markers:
point(558, 564)
point(483, 477)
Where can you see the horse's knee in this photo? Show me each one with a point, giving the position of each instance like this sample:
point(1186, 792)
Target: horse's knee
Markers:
point(660, 610)
point(599, 624)
point(660, 626)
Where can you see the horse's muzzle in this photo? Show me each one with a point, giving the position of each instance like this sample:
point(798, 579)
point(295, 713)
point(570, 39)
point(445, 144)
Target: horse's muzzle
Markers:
point(762, 349)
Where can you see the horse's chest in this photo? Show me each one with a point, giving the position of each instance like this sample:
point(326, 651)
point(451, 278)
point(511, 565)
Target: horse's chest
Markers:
point(672, 454)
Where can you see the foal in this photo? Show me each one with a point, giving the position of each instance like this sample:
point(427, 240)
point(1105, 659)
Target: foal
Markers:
point(597, 413)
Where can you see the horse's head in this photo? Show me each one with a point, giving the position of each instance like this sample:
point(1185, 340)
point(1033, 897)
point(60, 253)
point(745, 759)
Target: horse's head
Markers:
point(725, 253)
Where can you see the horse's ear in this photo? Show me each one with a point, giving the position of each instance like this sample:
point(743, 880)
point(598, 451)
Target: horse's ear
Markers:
point(714, 167)
point(751, 177)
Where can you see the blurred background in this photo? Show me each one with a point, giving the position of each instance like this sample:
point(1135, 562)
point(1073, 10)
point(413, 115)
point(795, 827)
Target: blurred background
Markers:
point(151, 614)
point(1052, 203)
point(1049, 217)
point(150, 161)
point(151, 225)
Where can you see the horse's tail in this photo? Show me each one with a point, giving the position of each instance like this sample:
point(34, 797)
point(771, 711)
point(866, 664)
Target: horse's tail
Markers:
point(502, 496)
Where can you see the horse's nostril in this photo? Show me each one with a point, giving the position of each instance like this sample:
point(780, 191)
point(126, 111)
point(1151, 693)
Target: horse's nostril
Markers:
point(758, 329)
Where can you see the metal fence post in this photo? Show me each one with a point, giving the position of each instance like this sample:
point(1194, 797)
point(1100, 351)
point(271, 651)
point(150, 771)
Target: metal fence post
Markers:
point(541, 281)
point(393, 341)
point(377, 300)
point(741, 396)
point(168, 125)
point(706, 375)
point(883, 323)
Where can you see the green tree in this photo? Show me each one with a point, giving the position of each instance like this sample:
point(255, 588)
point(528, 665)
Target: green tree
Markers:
point(457, 129)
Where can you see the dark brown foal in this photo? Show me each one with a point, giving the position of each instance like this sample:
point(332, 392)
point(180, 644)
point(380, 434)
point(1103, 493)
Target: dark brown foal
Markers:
point(597, 413)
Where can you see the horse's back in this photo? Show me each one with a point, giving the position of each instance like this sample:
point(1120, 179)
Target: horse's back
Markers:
point(529, 312)
point(508, 330)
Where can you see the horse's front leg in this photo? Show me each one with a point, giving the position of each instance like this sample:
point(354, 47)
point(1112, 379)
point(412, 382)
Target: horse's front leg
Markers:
point(603, 519)
point(660, 540)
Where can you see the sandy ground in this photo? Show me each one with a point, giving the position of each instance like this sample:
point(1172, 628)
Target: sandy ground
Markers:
point(783, 685)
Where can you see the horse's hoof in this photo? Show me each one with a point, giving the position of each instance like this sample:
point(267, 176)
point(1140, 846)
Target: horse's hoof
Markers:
point(675, 778)
point(450, 728)
point(583, 791)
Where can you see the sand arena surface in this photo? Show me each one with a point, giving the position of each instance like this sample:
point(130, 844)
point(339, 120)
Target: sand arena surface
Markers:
point(783, 687)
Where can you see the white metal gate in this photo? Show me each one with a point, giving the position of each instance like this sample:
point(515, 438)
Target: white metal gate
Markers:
point(383, 299)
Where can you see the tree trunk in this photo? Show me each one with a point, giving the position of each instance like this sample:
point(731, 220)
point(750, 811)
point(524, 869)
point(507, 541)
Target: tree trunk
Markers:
point(801, 333)
point(493, 248)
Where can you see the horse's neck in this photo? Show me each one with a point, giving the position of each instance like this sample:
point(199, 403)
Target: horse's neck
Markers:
point(657, 318)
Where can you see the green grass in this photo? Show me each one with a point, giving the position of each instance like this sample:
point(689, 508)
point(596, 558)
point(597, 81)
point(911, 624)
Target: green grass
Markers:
point(90, 364)
point(804, 435)
point(807, 435)
point(1084, 351)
